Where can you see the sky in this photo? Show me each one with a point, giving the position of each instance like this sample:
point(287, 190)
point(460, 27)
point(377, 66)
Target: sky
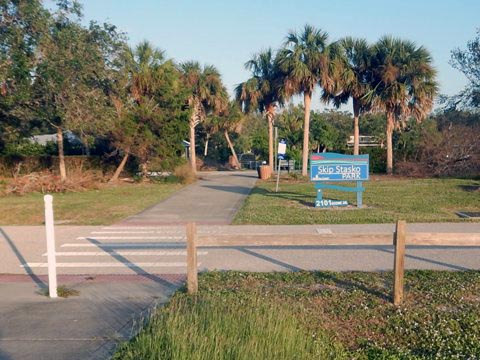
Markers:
point(227, 33)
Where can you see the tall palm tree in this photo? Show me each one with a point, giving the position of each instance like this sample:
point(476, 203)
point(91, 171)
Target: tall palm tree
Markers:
point(352, 79)
point(403, 84)
point(261, 91)
point(207, 94)
point(304, 59)
point(138, 81)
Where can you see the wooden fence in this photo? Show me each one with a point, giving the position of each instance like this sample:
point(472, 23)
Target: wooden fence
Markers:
point(400, 238)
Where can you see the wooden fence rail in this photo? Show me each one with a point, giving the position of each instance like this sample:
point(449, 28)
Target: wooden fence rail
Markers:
point(399, 238)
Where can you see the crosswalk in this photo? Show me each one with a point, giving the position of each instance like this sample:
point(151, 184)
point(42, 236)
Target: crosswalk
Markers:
point(123, 249)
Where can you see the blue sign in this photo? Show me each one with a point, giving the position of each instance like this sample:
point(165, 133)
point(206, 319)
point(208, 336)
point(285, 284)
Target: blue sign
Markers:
point(338, 167)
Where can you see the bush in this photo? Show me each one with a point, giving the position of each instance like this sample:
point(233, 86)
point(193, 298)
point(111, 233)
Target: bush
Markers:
point(378, 159)
point(184, 174)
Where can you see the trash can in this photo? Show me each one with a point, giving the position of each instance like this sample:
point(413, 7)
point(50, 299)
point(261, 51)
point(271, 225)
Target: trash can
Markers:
point(264, 172)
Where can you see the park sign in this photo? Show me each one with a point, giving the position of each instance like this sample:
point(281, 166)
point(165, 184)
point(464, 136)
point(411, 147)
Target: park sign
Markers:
point(326, 167)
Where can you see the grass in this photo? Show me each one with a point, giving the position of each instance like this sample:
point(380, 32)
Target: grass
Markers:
point(62, 291)
point(386, 199)
point(93, 207)
point(316, 315)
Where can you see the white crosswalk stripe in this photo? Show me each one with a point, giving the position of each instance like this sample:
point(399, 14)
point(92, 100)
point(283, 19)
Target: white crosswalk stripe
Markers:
point(132, 238)
point(130, 243)
point(125, 253)
point(108, 264)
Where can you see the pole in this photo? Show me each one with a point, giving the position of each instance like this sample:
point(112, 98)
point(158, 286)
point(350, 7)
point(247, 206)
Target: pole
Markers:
point(192, 274)
point(278, 175)
point(275, 159)
point(399, 262)
point(50, 234)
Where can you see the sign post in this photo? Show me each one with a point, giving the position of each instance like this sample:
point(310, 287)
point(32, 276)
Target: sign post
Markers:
point(281, 151)
point(50, 234)
point(338, 167)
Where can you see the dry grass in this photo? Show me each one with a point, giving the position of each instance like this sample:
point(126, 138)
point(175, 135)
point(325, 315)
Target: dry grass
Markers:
point(49, 182)
point(184, 174)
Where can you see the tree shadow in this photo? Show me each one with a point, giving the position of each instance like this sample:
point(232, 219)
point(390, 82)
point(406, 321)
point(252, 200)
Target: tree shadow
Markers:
point(22, 261)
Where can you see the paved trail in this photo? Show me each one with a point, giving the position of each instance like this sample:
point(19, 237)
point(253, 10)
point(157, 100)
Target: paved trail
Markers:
point(213, 199)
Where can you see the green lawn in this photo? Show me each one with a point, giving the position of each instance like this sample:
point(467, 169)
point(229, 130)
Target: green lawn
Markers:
point(386, 199)
point(316, 315)
point(93, 207)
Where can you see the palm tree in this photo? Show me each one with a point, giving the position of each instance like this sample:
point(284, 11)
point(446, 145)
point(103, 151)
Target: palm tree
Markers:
point(207, 94)
point(230, 120)
point(403, 84)
point(305, 62)
point(261, 91)
point(137, 82)
point(352, 79)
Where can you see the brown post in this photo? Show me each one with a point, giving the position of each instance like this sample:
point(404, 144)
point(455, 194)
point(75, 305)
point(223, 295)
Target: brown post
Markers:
point(192, 276)
point(399, 262)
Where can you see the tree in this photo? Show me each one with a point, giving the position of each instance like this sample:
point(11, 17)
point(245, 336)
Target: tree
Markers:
point(22, 24)
point(468, 62)
point(352, 79)
point(206, 93)
point(149, 99)
point(305, 62)
point(262, 92)
point(230, 120)
point(68, 91)
point(403, 84)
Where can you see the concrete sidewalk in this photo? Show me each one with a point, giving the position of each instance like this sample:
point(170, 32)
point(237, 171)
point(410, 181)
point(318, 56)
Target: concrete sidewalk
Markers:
point(107, 310)
point(213, 199)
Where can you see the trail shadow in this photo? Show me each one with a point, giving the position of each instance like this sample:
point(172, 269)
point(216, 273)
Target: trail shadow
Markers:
point(233, 189)
point(441, 263)
point(351, 285)
point(137, 269)
point(470, 188)
point(251, 176)
point(22, 261)
point(269, 259)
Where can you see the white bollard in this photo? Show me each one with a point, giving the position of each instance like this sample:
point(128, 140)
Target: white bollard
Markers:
point(50, 233)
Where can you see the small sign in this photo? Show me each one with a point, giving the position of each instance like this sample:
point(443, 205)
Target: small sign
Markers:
point(338, 167)
point(282, 148)
point(329, 203)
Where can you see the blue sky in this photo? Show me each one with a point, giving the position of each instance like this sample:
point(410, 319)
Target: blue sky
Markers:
point(226, 33)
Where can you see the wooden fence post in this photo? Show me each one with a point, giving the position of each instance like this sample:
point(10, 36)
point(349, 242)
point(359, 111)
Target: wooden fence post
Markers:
point(399, 262)
point(192, 276)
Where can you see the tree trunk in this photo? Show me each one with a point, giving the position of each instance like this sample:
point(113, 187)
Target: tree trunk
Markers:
point(232, 149)
point(390, 124)
point(206, 145)
point(270, 135)
point(144, 170)
point(307, 98)
point(120, 167)
point(61, 154)
point(193, 155)
point(356, 130)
